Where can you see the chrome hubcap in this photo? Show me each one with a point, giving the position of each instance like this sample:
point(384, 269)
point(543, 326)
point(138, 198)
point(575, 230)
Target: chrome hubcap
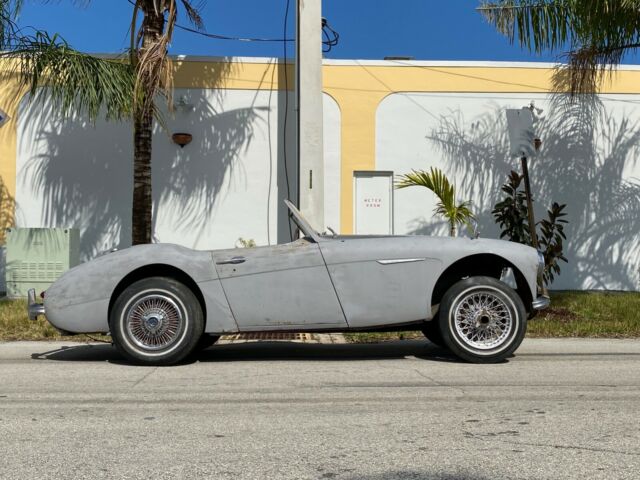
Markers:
point(483, 320)
point(154, 322)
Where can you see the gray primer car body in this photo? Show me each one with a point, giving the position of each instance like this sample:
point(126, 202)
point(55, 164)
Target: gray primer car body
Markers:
point(319, 282)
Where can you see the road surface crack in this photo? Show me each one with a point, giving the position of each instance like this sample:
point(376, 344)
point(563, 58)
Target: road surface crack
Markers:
point(551, 445)
point(439, 384)
point(143, 378)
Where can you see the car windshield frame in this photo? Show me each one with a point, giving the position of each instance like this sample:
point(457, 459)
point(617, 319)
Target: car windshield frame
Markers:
point(302, 223)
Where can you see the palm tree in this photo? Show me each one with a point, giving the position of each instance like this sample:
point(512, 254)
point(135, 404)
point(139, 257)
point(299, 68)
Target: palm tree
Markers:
point(149, 57)
point(597, 33)
point(436, 181)
point(125, 87)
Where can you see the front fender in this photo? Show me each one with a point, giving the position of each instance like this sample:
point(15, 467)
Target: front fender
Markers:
point(78, 301)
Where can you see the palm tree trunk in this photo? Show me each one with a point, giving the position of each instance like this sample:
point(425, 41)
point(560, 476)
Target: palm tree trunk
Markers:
point(141, 212)
point(142, 194)
point(452, 229)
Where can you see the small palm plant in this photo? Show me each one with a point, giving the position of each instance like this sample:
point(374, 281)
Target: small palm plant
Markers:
point(436, 181)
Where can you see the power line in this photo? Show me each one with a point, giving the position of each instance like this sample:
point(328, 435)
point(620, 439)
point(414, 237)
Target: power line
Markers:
point(216, 36)
point(237, 39)
point(331, 37)
point(286, 110)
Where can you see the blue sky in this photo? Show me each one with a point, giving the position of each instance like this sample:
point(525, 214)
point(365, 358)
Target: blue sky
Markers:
point(369, 29)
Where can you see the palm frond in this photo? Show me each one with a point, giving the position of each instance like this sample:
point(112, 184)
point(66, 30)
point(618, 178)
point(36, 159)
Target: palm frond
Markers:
point(596, 33)
point(9, 10)
point(436, 181)
point(536, 24)
point(588, 66)
point(193, 13)
point(76, 82)
point(153, 66)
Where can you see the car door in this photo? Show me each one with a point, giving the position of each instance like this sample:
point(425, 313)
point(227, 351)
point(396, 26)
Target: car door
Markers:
point(281, 287)
point(381, 281)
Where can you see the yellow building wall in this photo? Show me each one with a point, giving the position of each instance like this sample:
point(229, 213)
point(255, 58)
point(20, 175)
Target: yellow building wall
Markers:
point(10, 94)
point(357, 87)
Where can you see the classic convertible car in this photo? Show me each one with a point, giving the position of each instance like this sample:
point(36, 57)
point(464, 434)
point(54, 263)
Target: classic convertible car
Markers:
point(162, 302)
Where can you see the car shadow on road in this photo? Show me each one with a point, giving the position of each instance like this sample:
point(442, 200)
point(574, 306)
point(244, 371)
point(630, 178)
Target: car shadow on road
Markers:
point(268, 351)
point(283, 351)
point(81, 353)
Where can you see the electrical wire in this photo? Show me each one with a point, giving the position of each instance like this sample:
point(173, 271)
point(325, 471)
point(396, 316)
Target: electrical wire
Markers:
point(331, 37)
point(215, 36)
point(286, 110)
point(274, 66)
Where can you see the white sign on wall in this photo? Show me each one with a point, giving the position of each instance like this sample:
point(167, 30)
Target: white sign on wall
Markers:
point(521, 134)
point(373, 202)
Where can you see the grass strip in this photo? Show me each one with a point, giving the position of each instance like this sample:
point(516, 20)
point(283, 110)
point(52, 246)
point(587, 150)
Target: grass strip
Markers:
point(15, 325)
point(572, 314)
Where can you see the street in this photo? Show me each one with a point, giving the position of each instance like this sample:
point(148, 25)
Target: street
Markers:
point(401, 410)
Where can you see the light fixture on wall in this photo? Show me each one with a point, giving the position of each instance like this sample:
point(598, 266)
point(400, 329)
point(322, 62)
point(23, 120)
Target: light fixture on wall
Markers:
point(182, 139)
point(184, 105)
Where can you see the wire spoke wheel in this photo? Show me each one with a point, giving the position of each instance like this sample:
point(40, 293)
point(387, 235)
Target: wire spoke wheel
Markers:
point(154, 322)
point(157, 321)
point(483, 319)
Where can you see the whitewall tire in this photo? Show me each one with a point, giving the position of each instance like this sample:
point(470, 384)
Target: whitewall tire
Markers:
point(156, 321)
point(482, 320)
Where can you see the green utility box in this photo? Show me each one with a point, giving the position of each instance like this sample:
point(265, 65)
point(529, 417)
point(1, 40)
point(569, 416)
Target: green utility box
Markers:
point(36, 257)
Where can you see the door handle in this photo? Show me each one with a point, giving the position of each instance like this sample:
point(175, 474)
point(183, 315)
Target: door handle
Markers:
point(232, 261)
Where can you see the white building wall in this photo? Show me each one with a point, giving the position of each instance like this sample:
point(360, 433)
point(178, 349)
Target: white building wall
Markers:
point(589, 161)
point(332, 156)
point(230, 182)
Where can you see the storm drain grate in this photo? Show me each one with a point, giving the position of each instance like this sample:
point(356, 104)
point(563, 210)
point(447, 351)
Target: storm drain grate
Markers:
point(301, 337)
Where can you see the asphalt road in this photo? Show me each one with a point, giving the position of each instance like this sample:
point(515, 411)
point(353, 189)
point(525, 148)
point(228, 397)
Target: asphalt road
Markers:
point(559, 409)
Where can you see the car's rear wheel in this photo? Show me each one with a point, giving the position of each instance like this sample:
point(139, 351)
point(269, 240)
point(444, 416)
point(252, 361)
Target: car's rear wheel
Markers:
point(156, 321)
point(482, 320)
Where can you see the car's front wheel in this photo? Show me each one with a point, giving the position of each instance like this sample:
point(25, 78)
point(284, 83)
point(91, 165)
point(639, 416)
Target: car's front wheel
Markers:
point(482, 320)
point(156, 321)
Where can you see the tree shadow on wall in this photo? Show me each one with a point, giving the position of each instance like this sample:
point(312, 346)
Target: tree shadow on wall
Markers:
point(7, 209)
point(585, 151)
point(85, 175)
point(188, 184)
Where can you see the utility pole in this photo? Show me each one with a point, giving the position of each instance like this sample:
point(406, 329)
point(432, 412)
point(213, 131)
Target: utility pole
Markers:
point(309, 109)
